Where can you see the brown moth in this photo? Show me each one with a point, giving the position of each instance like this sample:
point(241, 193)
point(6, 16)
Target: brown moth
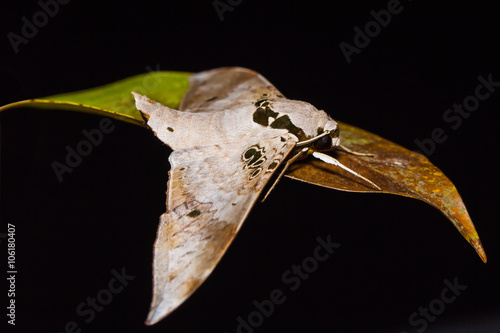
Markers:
point(233, 132)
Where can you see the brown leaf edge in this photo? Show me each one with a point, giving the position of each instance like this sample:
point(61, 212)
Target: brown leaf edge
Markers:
point(396, 170)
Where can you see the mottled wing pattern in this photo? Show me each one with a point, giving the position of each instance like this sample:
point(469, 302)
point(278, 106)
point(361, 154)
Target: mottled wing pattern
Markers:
point(226, 88)
point(211, 190)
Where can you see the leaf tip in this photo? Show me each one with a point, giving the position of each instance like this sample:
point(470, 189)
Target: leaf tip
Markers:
point(476, 244)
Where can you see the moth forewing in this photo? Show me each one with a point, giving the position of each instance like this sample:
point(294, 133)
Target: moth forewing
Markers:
point(212, 186)
point(185, 129)
point(232, 134)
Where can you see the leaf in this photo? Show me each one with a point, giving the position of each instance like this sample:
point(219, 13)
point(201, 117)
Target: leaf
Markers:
point(394, 169)
point(115, 99)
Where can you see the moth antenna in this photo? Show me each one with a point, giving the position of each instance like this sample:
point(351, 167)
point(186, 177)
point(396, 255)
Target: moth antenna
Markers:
point(352, 152)
point(307, 142)
point(330, 160)
point(288, 163)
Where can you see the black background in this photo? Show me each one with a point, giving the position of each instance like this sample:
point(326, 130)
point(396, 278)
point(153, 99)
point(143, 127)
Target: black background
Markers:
point(395, 252)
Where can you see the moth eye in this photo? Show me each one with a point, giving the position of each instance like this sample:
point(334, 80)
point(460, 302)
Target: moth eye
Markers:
point(324, 143)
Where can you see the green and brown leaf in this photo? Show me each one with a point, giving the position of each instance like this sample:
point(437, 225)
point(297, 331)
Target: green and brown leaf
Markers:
point(396, 170)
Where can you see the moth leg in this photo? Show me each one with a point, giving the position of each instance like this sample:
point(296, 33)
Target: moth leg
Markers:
point(352, 152)
point(288, 163)
point(330, 160)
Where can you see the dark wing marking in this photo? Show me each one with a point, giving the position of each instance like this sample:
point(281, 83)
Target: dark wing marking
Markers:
point(211, 190)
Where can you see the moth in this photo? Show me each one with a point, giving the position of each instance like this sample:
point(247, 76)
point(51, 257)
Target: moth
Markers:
point(232, 133)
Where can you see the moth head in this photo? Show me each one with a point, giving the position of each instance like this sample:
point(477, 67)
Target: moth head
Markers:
point(328, 141)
